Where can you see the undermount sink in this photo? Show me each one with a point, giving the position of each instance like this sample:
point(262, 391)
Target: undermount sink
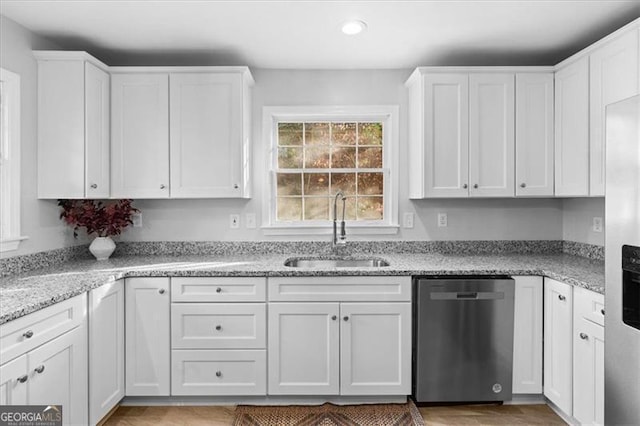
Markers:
point(336, 263)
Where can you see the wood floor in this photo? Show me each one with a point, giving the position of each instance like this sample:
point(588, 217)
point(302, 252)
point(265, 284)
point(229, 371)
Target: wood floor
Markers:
point(433, 416)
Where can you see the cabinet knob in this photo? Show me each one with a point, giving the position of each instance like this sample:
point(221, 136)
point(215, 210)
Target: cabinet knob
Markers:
point(584, 336)
point(161, 291)
point(218, 373)
point(346, 318)
point(334, 317)
point(602, 311)
point(236, 186)
point(475, 186)
point(23, 379)
point(218, 327)
point(28, 334)
point(39, 369)
point(465, 186)
point(162, 186)
point(523, 185)
point(561, 297)
point(94, 185)
point(218, 290)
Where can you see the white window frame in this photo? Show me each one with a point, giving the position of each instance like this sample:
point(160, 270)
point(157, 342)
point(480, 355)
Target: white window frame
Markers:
point(386, 114)
point(10, 162)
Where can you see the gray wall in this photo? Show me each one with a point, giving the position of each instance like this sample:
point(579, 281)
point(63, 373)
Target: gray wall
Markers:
point(577, 220)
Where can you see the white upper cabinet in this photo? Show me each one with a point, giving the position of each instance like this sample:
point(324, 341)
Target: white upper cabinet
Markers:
point(439, 135)
point(140, 135)
point(73, 126)
point(534, 135)
point(613, 76)
point(572, 129)
point(491, 135)
point(207, 135)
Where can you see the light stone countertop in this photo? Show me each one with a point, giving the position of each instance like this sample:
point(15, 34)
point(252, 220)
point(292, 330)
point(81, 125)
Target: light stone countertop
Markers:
point(23, 294)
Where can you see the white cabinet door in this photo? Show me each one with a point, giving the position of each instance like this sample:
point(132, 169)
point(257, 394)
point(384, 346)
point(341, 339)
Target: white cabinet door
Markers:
point(613, 75)
point(491, 135)
point(58, 375)
point(148, 331)
point(527, 335)
point(106, 349)
point(304, 349)
point(572, 129)
point(97, 123)
point(446, 136)
point(13, 382)
point(588, 372)
point(375, 347)
point(206, 135)
point(534, 135)
point(558, 342)
point(140, 135)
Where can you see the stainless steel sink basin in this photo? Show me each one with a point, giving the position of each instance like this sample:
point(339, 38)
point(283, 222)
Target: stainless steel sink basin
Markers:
point(336, 263)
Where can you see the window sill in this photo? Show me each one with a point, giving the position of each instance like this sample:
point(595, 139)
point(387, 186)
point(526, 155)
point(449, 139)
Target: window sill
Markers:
point(11, 244)
point(328, 230)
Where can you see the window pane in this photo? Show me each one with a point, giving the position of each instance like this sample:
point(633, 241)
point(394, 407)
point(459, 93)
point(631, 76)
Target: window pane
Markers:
point(316, 183)
point(369, 133)
point(370, 183)
point(370, 158)
point(350, 212)
point(290, 133)
point(345, 182)
point(316, 157)
point(289, 184)
point(289, 209)
point(370, 208)
point(343, 133)
point(343, 158)
point(290, 158)
point(316, 133)
point(316, 208)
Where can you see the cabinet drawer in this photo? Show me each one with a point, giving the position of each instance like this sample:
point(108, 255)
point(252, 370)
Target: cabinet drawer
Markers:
point(227, 372)
point(25, 333)
point(589, 305)
point(218, 325)
point(339, 289)
point(216, 289)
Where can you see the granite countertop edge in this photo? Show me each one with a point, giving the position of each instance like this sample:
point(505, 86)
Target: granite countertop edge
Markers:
point(24, 294)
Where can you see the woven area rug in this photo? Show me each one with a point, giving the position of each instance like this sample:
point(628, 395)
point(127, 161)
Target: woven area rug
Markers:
point(329, 415)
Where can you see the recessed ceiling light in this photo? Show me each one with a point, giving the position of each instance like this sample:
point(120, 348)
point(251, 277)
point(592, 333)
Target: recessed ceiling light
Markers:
point(354, 27)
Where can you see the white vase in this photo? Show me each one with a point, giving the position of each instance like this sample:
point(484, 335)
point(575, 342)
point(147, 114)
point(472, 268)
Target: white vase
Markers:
point(102, 247)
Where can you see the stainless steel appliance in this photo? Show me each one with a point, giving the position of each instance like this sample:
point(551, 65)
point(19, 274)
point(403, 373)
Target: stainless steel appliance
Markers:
point(631, 286)
point(463, 339)
point(622, 215)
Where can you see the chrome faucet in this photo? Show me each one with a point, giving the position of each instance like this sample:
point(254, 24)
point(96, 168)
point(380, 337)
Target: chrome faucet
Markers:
point(342, 239)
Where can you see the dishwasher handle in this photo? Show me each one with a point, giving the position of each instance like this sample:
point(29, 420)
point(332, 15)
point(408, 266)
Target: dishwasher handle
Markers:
point(467, 295)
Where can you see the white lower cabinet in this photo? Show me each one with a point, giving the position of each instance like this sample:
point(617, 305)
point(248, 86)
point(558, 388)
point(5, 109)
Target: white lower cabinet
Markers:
point(558, 357)
point(13, 382)
point(148, 350)
point(527, 336)
point(106, 349)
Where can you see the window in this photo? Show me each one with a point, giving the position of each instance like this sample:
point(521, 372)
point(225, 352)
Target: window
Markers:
point(318, 151)
point(9, 161)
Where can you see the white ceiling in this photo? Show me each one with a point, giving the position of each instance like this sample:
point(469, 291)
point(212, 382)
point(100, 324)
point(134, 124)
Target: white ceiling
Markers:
point(306, 34)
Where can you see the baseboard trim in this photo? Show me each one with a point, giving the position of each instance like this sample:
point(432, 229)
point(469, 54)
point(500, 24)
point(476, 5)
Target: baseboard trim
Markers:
point(526, 399)
point(564, 416)
point(258, 400)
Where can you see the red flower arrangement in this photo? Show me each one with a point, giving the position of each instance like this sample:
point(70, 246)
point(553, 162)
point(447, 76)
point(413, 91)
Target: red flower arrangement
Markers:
point(99, 218)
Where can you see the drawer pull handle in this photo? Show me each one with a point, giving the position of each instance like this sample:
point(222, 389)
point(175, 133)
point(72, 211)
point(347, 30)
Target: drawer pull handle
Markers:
point(602, 312)
point(218, 290)
point(161, 291)
point(465, 186)
point(39, 369)
point(561, 297)
point(475, 186)
point(584, 336)
point(218, 373)
point(523, 185)
point(218, 327)
point(162, 186)
point(346, 318)
point(28, 334)
point(334, 317)
point(23, 379)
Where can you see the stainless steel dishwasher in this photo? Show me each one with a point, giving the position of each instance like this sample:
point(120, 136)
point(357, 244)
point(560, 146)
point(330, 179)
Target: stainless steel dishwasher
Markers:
point(463, 339)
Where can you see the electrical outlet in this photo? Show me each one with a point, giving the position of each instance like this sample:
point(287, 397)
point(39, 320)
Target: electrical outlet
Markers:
point(136, 218)
point(407, 220)
point(250, 220)
point(597, 224)
point(442, 219)
point(234, 221)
